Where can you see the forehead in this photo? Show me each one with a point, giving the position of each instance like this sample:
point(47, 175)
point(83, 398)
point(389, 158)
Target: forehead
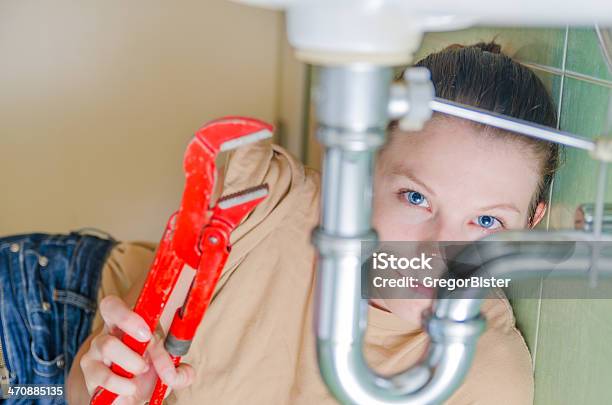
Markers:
point(454, 157)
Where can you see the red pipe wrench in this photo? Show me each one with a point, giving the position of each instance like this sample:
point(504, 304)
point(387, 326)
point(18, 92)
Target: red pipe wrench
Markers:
point(196, 235)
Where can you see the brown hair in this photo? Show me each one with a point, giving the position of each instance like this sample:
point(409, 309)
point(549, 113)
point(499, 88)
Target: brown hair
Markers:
point(480, 75)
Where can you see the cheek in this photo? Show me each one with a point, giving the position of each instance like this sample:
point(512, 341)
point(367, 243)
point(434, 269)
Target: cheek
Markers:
point(521, 222)
point(390, 220)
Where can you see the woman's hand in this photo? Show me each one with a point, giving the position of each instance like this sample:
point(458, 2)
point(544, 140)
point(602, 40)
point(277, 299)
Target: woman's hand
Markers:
point(107, 348)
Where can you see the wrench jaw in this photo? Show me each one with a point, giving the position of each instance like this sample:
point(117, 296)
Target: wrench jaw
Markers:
point(200, 173)
point(233, 208)
point(233, 132)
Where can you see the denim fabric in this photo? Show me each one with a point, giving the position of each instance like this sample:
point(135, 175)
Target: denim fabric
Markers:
point(48, 291)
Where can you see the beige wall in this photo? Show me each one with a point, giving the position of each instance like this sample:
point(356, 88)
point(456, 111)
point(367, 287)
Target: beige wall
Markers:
point(98, 100)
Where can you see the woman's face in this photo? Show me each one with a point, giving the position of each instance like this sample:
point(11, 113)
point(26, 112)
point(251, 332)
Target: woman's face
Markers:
point(448, 182)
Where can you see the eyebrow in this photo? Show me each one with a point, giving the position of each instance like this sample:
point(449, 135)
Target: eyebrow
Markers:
point(510, 207)
point(401, 170)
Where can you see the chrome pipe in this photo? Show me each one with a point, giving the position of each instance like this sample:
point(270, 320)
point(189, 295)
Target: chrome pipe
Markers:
point(400, 104)
point(585, 218)
point(340, 325)
point(511, 124)
point(535, 258)
point(352, 112)
point(604, 36)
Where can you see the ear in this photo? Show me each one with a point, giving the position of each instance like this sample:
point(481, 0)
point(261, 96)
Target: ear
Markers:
point(538, 215)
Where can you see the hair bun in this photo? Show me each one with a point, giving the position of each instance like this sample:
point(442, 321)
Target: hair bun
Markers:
point(491, 46)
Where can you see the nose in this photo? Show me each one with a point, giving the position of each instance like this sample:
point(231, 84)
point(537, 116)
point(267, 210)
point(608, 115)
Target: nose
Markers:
point(445, 229)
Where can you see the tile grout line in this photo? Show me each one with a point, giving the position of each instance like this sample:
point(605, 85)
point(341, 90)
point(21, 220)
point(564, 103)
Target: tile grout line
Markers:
point(563, 73)
point(540, 292)
point(541, 287)
point(537, 331)
point(569, 73)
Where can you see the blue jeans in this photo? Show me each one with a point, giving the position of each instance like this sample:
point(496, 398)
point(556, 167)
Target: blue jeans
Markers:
point(48, 290)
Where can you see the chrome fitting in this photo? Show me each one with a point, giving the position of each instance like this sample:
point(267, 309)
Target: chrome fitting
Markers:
point(333, 246)
point(450, 331)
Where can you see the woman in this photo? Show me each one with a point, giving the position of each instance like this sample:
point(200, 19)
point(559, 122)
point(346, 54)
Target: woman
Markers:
point(454, 180)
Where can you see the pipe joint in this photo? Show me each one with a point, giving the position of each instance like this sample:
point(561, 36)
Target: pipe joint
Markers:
point(351, 140)
point(447, 331)
point(332, 245)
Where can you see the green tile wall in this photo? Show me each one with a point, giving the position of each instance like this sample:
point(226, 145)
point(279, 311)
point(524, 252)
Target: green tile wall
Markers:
point(574, 354)
point(569, 339)
point(584, 56)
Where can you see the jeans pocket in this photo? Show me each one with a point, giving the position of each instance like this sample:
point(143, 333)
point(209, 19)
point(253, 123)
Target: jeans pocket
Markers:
point(79, 311)
point(45, 320)
point(46, 343)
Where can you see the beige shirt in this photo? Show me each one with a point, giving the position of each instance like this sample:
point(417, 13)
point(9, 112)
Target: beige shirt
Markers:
point(256, 343)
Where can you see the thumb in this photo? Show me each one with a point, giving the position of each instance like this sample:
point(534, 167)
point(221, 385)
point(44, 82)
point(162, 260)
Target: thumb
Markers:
point(175, 377)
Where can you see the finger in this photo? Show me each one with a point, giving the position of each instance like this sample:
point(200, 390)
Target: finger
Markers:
point(145, 383)
point(174, 377)
point(108, 348)
point(162, 362)
point(107, 330)
point(98, 375)
point(116, 314)
point(186, 376)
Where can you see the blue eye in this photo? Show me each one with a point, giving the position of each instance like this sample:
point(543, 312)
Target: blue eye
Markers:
point(416, 198)
point(488, 221)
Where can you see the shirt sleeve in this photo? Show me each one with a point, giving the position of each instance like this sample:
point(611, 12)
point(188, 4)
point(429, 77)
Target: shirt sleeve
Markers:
point(501, 372)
